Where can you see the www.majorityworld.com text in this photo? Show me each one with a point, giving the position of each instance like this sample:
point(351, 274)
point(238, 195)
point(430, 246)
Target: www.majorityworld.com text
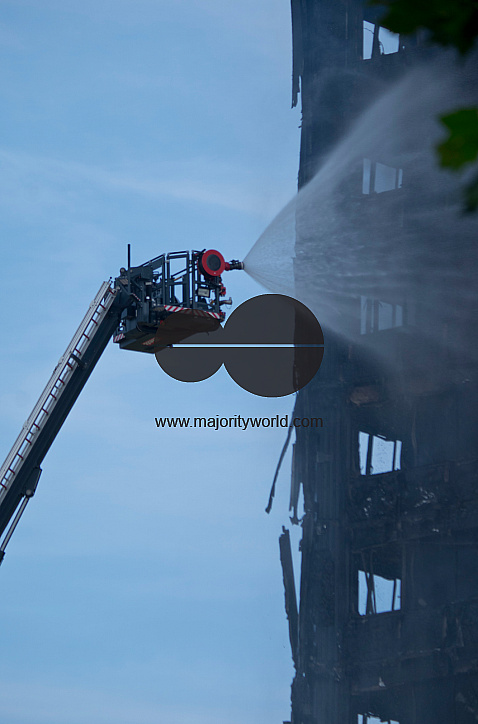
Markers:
point(239, 422)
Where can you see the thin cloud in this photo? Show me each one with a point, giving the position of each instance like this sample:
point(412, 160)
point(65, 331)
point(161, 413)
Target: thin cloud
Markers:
point(40, 182)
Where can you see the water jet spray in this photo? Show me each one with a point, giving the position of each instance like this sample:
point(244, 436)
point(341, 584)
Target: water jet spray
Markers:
point(377, 238)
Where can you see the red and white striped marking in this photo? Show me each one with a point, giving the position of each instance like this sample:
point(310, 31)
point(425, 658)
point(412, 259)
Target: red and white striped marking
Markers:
point(194, 312)
point(183, 310)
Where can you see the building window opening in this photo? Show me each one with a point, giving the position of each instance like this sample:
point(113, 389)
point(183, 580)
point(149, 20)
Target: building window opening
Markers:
point(378, 40)
point(389, 42)
point(376, 315)
point(377, 594)
point(366, 175)
point(387, 178)
point(368, 34)
point(378, 177)
point(378, 455)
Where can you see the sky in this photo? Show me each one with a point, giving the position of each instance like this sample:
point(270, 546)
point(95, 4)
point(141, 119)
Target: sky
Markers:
point(143, 583)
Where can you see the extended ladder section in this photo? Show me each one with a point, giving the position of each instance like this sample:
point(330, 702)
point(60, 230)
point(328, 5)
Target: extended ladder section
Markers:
point(21, 470)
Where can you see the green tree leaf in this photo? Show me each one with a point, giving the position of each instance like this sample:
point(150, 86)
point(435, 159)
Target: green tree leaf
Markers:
point(461, 146)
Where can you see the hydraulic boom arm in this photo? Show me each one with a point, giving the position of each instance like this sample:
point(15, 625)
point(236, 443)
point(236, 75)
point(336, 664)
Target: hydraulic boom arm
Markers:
point(21, 470)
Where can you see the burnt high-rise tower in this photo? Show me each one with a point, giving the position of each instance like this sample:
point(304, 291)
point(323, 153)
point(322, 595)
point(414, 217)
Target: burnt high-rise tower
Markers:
point(387, 623)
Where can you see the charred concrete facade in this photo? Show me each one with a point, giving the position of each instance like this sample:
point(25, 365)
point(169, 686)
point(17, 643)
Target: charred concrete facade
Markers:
point(387, 623)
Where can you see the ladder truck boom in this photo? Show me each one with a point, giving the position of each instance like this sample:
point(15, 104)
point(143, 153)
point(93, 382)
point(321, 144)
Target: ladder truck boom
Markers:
point(21, 470)
point(147, 309)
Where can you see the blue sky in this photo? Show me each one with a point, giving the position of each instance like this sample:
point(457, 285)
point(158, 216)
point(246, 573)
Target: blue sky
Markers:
point(143, 583)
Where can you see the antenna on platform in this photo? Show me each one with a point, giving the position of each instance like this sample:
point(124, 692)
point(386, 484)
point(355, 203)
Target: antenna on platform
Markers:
point(129, 268)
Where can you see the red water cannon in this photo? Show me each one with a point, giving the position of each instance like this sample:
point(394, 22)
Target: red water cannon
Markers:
point(234, 264)
point(211, 263)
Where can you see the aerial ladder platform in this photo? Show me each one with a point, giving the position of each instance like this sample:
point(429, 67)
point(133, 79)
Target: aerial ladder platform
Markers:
point(146, 309)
